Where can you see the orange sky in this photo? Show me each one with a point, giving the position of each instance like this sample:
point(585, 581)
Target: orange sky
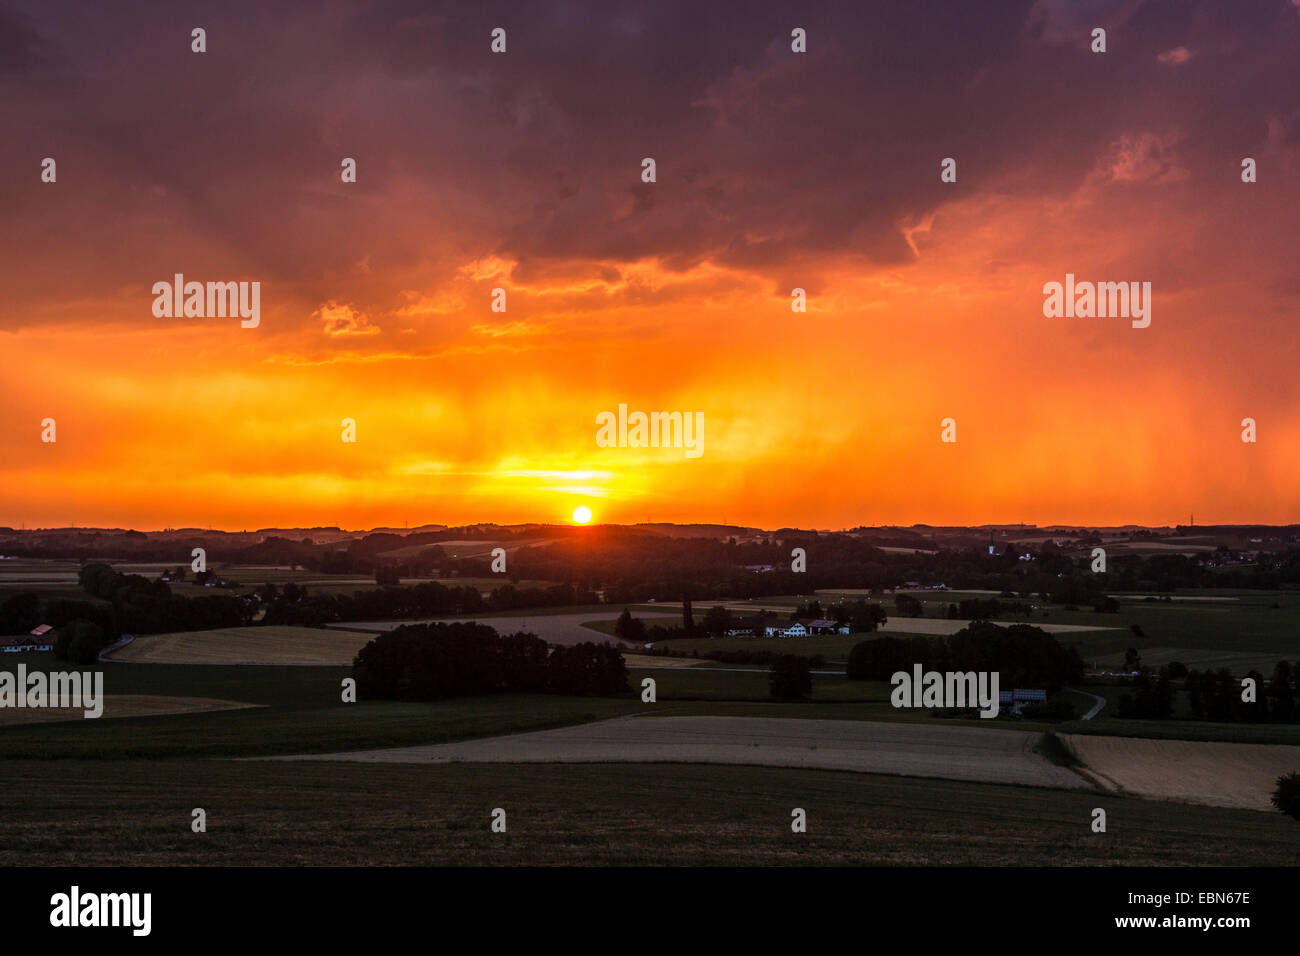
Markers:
point(924, 305)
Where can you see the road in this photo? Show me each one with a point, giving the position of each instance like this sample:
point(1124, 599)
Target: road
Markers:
point(1096, 709)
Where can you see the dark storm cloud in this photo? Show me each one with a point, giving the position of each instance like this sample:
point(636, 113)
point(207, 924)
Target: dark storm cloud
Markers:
point(227, 162)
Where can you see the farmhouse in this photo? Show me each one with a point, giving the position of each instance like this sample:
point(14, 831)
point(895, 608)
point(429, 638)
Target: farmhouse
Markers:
point(1014, 701)
point(826, 627)
point(804, 628)
point(41, 639)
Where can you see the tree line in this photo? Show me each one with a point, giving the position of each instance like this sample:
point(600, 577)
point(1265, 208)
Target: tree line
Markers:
point(1024, 656)
point(1214, 695)
point(294, 605)
point(466, 659)
point(128, 604)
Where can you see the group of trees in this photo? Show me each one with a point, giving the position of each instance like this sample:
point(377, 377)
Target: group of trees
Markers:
point(629, 628)
point(985, 609)
point(1214, 695)
point(908, 606)
point(1217, 695)
point(79, 641)
point(1152, 698)
point(141, 606)
point(127, 604)
point(1023, 656)
point(19, 613)
point(433, 661)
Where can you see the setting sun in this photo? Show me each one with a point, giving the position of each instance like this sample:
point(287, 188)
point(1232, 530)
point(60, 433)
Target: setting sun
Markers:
point(581, 514)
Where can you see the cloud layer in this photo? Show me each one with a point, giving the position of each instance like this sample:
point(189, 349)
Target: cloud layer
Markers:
point(775, 170)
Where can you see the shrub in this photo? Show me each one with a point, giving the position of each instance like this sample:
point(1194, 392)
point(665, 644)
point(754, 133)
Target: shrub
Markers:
point(791, 679)
point(1287, 795)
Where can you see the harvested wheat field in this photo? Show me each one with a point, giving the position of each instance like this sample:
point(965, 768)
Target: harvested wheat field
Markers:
point(1191, 771)
point(120, 705)
point(247, 645)
point(957, 753)
point(660, 660)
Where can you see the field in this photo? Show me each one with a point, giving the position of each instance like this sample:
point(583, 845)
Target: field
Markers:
point(301, 711)
point(1213, 774)
point(290, 646)
point(955, 753)
point(833, 647)
point(1243, 628)
point(119, 706)
point(1012, 804)
point(122, 813)
point(1238, 629)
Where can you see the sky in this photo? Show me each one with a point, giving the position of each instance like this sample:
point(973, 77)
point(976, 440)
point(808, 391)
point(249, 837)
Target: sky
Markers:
point(774, 170)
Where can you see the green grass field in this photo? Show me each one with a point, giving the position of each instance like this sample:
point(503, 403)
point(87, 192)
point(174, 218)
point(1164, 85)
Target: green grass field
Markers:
point(302, 712)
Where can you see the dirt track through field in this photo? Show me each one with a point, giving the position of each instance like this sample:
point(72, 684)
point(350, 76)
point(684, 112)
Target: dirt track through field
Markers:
point(1191, 771)
point(958, 753)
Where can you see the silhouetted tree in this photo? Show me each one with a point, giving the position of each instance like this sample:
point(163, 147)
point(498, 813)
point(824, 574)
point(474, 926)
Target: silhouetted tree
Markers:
point(908, 606)
point(716, 620)
point(1287, 795)
point(791, 678)
point(629, 628)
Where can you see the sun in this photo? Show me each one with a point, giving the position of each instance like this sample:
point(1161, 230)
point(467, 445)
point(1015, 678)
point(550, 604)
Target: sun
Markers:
point(581, 514)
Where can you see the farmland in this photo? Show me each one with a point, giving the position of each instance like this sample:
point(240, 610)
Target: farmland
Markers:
point(1213, 774)
point(276, 813)
point(248, 645)
point(283, 687)
point(1238, 629)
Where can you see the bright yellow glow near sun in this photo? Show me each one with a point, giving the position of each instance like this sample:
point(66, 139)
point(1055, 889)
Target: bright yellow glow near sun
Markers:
point(581, 514)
